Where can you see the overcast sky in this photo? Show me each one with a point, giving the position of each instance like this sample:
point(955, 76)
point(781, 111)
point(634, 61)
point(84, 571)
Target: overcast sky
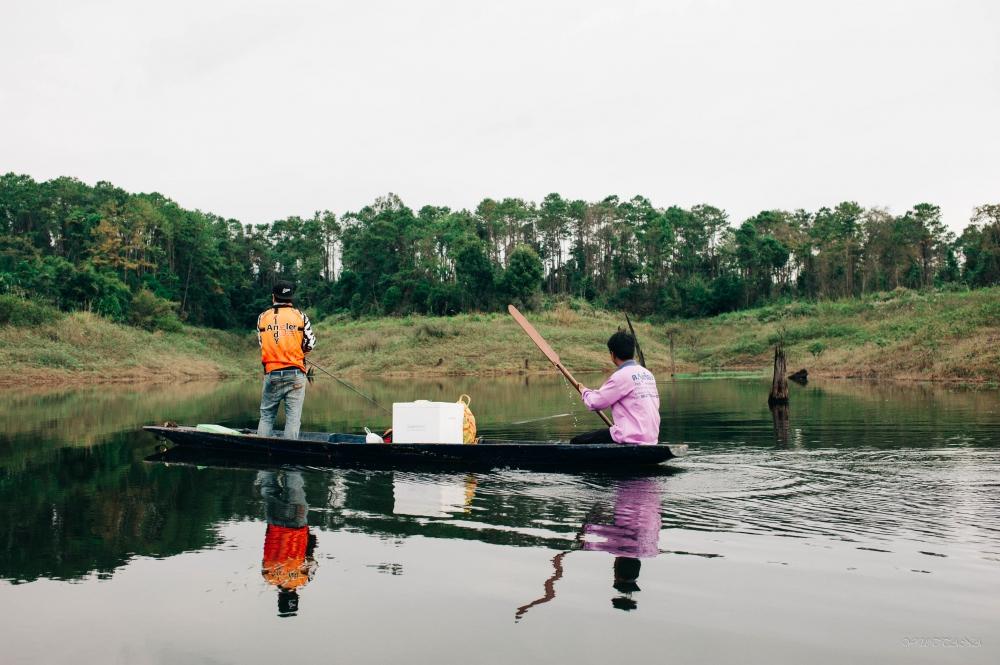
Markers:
point(262, 110)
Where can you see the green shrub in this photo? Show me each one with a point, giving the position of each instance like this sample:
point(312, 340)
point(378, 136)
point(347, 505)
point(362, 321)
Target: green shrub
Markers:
point(816, 348)
point(151, 312)
point(782, 311)
point(391, 299)
point(800, 309)
point(427, 330)
point(357, 305)
point(55, 358)
point(989, 313)
point(749, 345)
point(370, 342)
point(18, 311)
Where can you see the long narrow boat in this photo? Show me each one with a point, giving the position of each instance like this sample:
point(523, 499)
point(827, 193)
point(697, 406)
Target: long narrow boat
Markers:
point(351, 450)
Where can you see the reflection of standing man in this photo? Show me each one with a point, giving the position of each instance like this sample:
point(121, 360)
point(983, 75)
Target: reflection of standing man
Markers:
point(285, 337)
point(288, 546)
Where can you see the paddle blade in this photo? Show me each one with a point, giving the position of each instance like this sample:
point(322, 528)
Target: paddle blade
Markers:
point(539, 341)
point(544, 347)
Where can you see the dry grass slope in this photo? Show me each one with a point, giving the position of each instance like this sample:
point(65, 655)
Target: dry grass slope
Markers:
point(901, 335)
point(478, 343)
point(82, 347)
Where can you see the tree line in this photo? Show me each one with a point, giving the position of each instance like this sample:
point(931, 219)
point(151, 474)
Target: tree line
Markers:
point(143, 258)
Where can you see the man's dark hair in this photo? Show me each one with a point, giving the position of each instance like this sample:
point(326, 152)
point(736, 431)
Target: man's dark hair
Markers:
point(626, 574)
point(622, 345)
point(283, 290)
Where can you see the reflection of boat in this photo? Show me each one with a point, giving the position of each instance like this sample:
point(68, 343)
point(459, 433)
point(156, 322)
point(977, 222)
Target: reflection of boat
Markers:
point(415, 496)
point(351, 450)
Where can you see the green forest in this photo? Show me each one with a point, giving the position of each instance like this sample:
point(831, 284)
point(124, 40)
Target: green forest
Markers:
point(143, 259)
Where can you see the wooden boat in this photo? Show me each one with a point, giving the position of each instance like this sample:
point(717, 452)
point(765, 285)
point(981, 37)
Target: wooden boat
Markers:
point(351, 450)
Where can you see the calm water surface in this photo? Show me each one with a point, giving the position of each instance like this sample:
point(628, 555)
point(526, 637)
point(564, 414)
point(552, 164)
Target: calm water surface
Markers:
point(862, 528)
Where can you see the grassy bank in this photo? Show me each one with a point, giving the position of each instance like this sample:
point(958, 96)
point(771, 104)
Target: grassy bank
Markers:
point(82, 348)
point(898, 335)
point(901, 335)
point(479, 343)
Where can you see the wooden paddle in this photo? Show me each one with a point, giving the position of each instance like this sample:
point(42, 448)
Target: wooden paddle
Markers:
point(549, 353)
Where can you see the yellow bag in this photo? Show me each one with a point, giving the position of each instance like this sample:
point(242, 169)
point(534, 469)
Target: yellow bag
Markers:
point(469, 427)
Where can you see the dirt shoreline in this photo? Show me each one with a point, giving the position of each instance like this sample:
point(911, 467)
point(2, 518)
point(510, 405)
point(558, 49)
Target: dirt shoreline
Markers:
point(55, 379)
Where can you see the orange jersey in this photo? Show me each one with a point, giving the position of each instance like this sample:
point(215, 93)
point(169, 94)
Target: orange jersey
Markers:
point(285, 337)
point(285, 561)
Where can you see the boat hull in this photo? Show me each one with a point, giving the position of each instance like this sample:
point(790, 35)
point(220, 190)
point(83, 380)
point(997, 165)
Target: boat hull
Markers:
point(349, 450)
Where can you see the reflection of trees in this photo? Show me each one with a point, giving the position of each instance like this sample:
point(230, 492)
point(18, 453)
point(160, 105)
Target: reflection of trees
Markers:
point(90, 510)
point(87, 510)
point(35, 421)
point(67, 510)
point(839, 412)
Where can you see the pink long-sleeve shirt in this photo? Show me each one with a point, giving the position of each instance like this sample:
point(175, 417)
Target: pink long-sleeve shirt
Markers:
point(635, 531)
point(634, 400)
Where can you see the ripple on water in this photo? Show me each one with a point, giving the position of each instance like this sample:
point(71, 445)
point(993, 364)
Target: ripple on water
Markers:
point(927, 496)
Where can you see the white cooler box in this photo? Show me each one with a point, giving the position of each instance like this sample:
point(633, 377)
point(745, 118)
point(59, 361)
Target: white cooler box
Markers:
point(427, 422)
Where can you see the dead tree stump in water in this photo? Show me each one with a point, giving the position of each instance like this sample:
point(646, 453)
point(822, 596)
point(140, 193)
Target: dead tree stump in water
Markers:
point(779, 416)
point(779, 384)
point(673, 367)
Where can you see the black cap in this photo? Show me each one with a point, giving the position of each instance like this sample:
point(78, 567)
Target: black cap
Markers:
point(283, 290)
point(288, 603)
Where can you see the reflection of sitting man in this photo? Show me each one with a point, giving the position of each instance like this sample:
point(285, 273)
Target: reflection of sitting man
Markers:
point(634, 534)
point(288, 546)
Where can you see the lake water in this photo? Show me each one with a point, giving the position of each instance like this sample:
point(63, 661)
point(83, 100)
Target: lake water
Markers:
point(864, 528)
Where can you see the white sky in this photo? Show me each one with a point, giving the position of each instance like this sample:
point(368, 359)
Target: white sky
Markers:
point(262, 110)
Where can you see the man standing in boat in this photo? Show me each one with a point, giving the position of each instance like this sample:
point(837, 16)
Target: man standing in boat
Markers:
point(632, 395)
point(285, 337)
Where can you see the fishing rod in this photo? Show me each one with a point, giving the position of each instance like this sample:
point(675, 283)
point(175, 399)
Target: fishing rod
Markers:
point(345, 384)
point(535, 420)
point(638, 349)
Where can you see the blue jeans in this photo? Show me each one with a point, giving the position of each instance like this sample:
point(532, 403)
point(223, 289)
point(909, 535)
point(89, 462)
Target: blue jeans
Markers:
point(284, 494)
point(288, 385)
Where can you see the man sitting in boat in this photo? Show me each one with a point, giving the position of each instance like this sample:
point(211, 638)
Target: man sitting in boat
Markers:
point(631, 394)
point(285, 337)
